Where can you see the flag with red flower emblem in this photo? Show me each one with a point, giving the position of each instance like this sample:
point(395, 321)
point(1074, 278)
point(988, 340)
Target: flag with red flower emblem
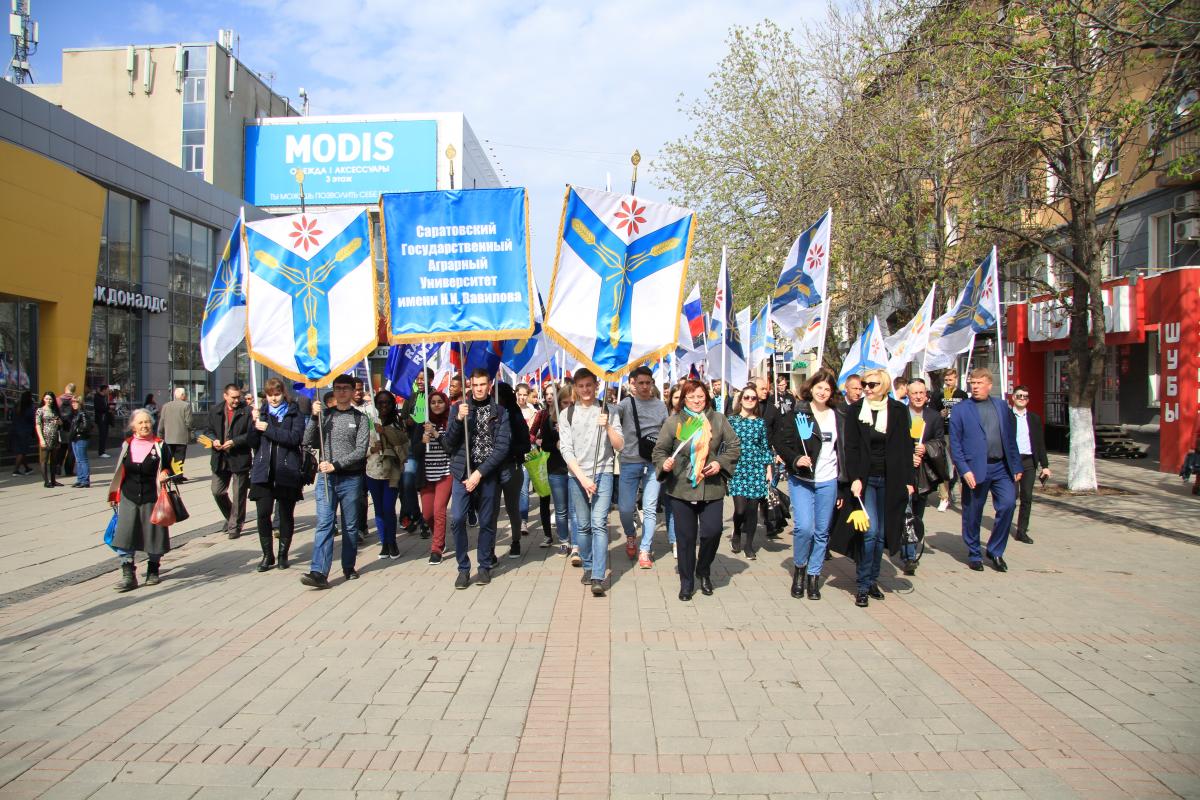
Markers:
point(310, 295)
point(618, 279)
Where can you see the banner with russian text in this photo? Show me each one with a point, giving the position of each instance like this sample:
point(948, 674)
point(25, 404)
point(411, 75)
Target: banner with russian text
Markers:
point(457, 265)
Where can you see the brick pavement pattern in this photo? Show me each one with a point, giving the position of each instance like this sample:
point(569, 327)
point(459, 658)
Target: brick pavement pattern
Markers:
point(1074, 675)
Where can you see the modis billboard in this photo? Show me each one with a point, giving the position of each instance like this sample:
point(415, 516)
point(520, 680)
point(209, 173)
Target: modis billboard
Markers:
point(344, 163)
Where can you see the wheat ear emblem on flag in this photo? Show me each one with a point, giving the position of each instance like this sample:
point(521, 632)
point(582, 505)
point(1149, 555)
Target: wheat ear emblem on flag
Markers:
point(311, 279)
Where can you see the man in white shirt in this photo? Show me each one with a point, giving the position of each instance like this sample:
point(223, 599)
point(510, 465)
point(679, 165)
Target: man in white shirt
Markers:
point(1031, 442)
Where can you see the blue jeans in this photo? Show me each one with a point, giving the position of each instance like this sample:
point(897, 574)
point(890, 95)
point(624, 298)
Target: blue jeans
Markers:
point(83, 468)
point(812, 511)
point(564, 519)
point(486, 502)
point(670, 519)
point(633, 476)
point(335, 490)
point(383, 497)
point(592, 518)
point(524, 507)
point(872, 555)
point(999, 482)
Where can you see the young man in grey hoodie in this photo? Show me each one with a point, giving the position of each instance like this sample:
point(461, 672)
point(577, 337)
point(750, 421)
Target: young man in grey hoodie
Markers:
point(342, 432)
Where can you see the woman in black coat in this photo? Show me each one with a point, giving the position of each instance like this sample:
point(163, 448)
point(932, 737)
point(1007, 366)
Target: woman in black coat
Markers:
point(879, 456)
point(276, 474)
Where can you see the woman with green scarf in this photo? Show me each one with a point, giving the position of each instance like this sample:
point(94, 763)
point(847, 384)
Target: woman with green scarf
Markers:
point(695, 456)
point(879, 455)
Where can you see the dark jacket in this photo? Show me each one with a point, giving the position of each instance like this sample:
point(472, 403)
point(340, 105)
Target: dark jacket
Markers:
point(80, 427)
point(278, 447)
point(968, 441)
point(1037, 438)
point(454, 442)
point(236, 458)
point(898, 465)
point(545, 428)
point(724, 448)
point(935, 466)
point(785, 439)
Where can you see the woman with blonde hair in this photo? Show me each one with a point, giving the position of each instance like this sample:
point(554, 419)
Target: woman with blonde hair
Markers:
point(140, 472)
point(879, 456)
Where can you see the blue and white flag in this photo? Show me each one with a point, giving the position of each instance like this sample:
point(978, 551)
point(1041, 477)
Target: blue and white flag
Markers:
point(867, 352)
point(404, 363)
point(458, 265)
point(726, 342)
point(224, 323)
point(976, 310)
point(798, 305)
point(527, 353)
point(904, 345)
point(762, 336)
point(618, 279)
point(310, 294)
point(738, 368)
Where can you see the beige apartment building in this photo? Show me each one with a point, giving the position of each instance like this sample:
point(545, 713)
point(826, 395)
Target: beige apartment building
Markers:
point(185, 103)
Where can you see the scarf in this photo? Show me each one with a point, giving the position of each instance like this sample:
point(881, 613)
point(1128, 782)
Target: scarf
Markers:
point(880, 406)
point(697, 431)
point(278, 412)
point(439, 420)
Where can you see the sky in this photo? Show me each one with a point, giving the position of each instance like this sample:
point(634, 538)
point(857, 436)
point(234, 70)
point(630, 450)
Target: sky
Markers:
point(561, 91)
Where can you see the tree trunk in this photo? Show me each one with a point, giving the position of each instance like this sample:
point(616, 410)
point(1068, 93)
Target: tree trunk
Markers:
point(1081, 461)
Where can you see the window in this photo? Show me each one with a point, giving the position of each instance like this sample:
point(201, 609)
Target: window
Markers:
point(195, 91)
point(1053, 182)
point(192, 259)
point(1108, 162)
point(1110, 258)
point(1161, 247)
point(120, 259)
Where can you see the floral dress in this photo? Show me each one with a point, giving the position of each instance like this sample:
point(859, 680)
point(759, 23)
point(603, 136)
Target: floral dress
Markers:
point(750, 474)
point(49, 424)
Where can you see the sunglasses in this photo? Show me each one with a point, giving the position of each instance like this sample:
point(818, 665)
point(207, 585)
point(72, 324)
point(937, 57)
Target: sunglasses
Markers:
point(871, 384)
point(1020, 397)
point(746, 397)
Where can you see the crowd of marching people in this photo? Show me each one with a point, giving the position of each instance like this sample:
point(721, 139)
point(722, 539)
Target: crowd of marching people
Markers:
point(854, 466)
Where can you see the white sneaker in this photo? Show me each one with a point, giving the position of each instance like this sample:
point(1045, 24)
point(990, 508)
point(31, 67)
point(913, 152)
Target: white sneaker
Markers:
point(674, 551)
point(576, 559)
point(942, 506)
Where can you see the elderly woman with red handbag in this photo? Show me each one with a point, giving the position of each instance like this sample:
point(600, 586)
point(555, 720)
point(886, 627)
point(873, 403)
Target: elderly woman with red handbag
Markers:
point(133, 491)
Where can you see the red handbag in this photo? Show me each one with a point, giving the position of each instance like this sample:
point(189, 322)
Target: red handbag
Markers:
point(163, 514)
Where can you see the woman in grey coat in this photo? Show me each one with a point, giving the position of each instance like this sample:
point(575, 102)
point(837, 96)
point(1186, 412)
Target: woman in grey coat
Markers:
point(695, 456)
point(132, 492)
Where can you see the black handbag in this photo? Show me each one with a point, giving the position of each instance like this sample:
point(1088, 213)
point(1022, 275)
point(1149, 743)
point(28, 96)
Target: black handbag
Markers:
point(308, 466)
point(181, 512)
point(645, 444)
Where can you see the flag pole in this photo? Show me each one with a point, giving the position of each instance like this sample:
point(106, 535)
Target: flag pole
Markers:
point(999, 336)
point(462, 381)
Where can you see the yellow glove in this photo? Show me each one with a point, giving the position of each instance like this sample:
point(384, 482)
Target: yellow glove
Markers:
point(176, 466)
point(858, 519)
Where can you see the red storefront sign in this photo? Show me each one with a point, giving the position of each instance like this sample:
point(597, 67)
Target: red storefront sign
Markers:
point(1168, 302)
point(1174, 297)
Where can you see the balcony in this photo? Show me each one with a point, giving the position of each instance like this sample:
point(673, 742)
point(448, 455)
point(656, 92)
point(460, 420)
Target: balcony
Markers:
point(1181, 149)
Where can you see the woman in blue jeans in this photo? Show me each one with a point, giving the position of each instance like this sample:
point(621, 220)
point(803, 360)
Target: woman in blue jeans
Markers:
point(879, 454)
point(811, 440)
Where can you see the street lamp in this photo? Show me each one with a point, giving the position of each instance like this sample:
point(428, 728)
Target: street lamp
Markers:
point(300, 183)
point(450, 154)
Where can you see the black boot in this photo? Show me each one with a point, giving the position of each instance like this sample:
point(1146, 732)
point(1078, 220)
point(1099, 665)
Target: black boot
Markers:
point(268, 557)
point(813, 586)
point(128, 578)
point(285, 544)
point(797, 582)
point(152, 578)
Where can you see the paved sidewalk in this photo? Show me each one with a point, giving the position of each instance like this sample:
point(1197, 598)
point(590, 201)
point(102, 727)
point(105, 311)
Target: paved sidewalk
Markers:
point(1073, 675)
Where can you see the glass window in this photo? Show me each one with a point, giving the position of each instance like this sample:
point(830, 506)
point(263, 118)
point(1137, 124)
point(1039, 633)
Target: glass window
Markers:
point(192, 261)
point(120, 257)
point(1160, 242)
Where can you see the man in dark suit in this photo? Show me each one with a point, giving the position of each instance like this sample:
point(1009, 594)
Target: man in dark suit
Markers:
point(229, 426)
point(1031, 444)
point(929, 457)
point(983, 445)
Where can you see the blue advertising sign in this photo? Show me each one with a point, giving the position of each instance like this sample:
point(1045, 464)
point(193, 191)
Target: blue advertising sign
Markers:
point(344, 163)
point(457, 265)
